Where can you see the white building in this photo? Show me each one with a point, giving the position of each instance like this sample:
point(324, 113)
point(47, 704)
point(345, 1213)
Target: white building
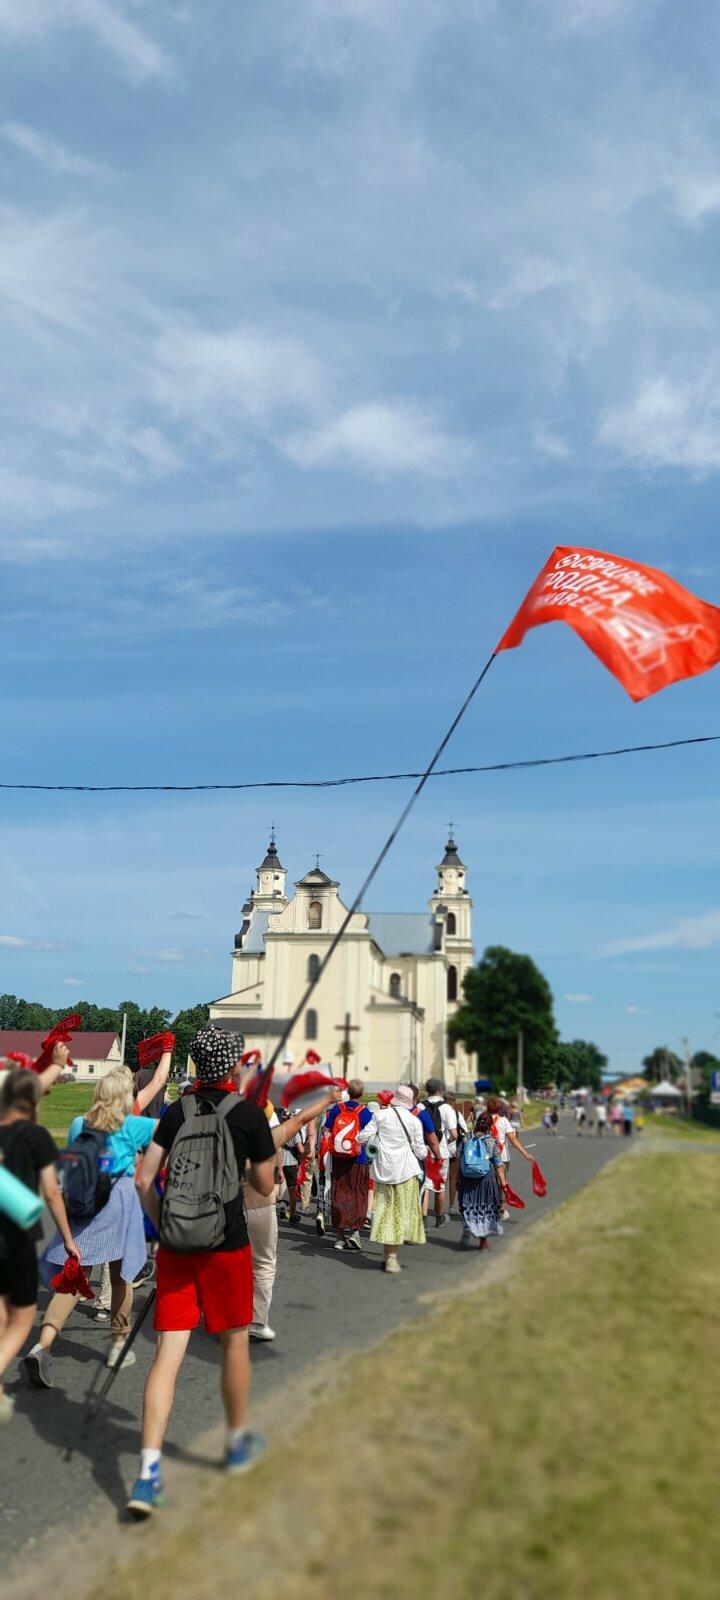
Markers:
point(398, 975)
point(92, 1054)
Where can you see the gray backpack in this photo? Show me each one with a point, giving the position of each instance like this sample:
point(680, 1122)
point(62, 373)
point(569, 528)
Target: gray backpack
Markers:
point(202, 1177)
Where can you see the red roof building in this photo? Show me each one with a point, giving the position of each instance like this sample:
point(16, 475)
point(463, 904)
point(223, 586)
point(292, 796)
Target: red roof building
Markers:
point(92, 1054)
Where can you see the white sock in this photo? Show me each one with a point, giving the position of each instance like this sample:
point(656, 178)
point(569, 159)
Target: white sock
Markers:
point(235, 1436)
point(149, 1463)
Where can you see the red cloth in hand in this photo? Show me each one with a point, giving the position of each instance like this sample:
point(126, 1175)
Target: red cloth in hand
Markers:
point(513, 1199)
point(150, 1050)
point(60, 1034)
point(72, 1280)
point(434, 1172)
point(538, 1182)
point(312, 1059)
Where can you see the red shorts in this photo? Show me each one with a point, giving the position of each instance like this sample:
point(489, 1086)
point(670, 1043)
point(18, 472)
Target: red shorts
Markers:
point(214, 1284)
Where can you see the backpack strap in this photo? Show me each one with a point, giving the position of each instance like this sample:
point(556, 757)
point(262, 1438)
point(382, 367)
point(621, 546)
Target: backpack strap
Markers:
point(227, 1104)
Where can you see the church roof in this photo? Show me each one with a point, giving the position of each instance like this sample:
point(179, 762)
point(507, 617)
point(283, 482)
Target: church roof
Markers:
point(316, 879)
point(254, 942)
point(402, 933)
point(451, 857)
point(272, 859)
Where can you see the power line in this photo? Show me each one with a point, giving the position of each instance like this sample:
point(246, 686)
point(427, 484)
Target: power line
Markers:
point(339, 783)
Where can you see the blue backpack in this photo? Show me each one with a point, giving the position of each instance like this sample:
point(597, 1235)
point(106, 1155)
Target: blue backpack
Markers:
point(475, 1160)
point(84, 1185)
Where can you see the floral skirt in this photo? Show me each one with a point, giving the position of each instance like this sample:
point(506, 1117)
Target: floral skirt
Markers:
point(349, 1193)
point(397, 1214)
point(481, 1205)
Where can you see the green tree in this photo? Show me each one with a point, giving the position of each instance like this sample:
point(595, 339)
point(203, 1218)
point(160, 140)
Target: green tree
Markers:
point(662, 1063)
point(503, 994)
point(705, 1063)
point(186, 1025)
point(579, 1064)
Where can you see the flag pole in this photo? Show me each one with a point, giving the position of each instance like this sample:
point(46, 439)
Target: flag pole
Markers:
point(375, 868)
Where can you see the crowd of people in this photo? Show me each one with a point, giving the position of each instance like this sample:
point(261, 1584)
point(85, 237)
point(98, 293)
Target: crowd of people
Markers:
point(190, 1193)
point(593, 1115)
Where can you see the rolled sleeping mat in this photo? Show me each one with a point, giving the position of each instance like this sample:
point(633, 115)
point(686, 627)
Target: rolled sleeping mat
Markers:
point(17, 1202)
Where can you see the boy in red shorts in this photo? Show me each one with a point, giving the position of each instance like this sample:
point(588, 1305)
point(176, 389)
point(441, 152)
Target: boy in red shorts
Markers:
point(216, 1284)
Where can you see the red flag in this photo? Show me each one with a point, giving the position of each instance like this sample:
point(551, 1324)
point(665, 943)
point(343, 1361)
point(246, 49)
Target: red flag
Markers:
point(646, 628)
point(539, 1182)
point(60, 1034)
point(150, 1050)
point(73, 1280)
point(512, 1198)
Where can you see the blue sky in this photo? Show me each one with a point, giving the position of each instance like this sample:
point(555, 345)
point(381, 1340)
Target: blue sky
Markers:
point(323, 321)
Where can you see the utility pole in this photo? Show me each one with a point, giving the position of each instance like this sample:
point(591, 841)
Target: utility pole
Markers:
point(123, 1039)
point(521, 1068)
point(688, 1076)
point(345, 1048)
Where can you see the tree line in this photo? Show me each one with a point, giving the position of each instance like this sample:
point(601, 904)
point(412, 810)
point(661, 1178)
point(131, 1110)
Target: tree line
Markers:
point(142, 1022)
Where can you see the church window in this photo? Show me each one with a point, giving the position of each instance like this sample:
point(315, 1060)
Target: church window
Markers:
point(395, 981)
point(313, 968)
point(315, 914)
point(311, 1024)
point(451, 923)
point(452, 983)
point(451, 1050)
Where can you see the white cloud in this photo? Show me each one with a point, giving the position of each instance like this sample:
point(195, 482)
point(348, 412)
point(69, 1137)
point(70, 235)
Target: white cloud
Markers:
point(578, 999)
point(74, 983)
point(573, 16)
point(244, 374)
point(690, 933)
point(668, 423)
point(137, 56)
point(637, 1011)
point(174, 956)
point(526, 278)
point(48, 152)
point(10, 941)
point(382, 438)
point(550, 444)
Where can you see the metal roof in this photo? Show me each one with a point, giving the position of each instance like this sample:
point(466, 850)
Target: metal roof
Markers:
point(254, 941)
point(87, 1045)
point(402, 933)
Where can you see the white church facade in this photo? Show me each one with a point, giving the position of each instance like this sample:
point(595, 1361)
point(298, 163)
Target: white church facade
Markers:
point(397, 975)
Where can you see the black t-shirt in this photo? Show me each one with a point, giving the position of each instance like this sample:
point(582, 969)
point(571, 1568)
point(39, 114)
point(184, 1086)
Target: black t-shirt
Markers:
point(154, 1108)
point(253, 1141)
point(26, 1149)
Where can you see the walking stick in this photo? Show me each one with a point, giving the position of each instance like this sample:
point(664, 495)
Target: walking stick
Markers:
point(96, 1397)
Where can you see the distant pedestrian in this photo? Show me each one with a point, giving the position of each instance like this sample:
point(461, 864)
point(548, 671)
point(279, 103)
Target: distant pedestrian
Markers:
point(350, 1171)
point(616, 1118)
point(628, 1117)
point(396, 1147)
point(601, 1118)
point(579, 1118)
point(482, 1181)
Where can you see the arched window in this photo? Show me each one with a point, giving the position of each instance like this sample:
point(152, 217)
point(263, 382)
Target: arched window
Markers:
point(395, 981)
point(451, 922)
point(315, 914)
point(311, 1024)
point(452, 983)
point(313, 968)
point(451, 1049)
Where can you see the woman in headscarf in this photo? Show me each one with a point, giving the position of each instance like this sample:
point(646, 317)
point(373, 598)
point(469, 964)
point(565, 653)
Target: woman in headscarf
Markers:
point(481, 1195)
point(396, 1146)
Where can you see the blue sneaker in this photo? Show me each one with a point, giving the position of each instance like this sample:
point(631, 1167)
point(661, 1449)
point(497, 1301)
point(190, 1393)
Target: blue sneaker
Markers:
point(243, 1455)
point(146, 1496)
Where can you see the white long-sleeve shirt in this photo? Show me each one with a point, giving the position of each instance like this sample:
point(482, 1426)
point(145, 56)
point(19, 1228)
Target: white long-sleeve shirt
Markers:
point(397, 1152)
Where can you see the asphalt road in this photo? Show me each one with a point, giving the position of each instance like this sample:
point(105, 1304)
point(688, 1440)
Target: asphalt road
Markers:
point(324, 1302)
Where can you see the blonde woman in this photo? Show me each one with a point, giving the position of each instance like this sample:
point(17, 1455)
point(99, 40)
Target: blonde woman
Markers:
point(115, 1234)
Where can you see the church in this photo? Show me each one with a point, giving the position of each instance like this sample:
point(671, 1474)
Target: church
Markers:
point(395, 979)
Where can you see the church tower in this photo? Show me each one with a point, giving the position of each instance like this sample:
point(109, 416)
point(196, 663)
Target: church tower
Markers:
point(452, 908)
point(270, 892)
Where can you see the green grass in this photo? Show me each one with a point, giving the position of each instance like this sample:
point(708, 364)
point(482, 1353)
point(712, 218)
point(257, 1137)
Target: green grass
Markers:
point(680, 1128)
point(538, 1439)
point(65, 1101)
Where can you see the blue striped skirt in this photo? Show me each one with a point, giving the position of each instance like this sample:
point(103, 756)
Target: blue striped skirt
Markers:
point(115, 1234)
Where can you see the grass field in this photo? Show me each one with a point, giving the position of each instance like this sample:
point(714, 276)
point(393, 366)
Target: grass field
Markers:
point(679, 1128)
point(538, 1439)
point(65, 1101)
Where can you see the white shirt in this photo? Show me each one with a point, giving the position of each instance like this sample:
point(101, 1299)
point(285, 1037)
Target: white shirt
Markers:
point(602, 1113)
point(501, 1127)
point(399, 1144)
point(448, 1124)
